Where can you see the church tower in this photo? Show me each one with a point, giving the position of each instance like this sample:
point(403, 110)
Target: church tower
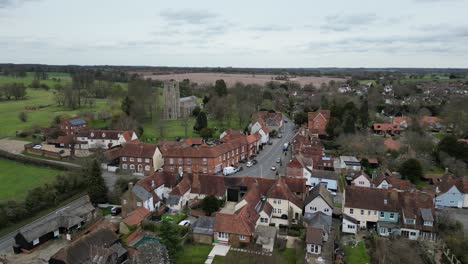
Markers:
point(171, 95)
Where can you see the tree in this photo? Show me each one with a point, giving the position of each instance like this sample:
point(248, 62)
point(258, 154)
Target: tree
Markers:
point(95, 185)
point(412, 170)
point(300, 118)
point(23, 116)
point(210, 204)
point(201, 122)
point(364, 114)
point(206, 132)
point(170, 236)
point(196, 111)
point(220, 88)
point(453, 147)
point(127, 105)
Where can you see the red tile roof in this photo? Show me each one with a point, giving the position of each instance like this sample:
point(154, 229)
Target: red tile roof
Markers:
point(313, 118)
point(138, 150)
point(386, 127)
point(371, 199)
point(182, 187)
point(208, 185)
point(430, 119)
point(241, 222)
point(157, 179)
point(400, 119)
point(392, 144)
point(281, 191)
point(136, 216)
point(314, 235)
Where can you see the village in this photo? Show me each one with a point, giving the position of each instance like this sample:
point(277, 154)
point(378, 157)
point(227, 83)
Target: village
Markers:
point(270, 190)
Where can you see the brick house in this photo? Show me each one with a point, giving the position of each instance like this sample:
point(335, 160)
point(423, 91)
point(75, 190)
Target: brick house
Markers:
point(182, 157)
point(73, 126)
point(140, 157)
point(386, 129)
point(317, 122)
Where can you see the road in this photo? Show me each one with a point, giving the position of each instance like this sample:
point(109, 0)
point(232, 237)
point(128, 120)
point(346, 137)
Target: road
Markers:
point(267, 157)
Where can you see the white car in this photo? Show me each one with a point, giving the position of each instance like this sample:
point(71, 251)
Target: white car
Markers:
point(37, 147)
point(273, 168)
point(185, 223)
point(249, 164)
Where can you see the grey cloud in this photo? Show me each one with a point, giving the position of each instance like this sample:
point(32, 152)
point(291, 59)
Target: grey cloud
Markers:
point(348, 22)
point(271, 28)
point(186, 16)
point(13, 3)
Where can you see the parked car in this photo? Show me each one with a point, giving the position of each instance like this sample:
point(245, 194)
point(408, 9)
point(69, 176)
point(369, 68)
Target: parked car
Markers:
point(185, 223)
point(249, 164)
point(116, 210)
point(285, 121)
point(280, 135)
point(229, 170)
point(37, 147)
point(270, 142)
point(242, 160)
point(254, 161)
point(278, 160)
point(273, 168)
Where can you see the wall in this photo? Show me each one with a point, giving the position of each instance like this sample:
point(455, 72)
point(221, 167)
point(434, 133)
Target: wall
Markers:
point(363, 219)
point(204, 239)
point(452, 198)
point(347, 229)
point(320, 204)
point(361, 178)
point(386, 217)
point(331, 184)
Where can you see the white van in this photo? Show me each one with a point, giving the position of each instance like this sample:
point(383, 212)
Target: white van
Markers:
point(229, 170)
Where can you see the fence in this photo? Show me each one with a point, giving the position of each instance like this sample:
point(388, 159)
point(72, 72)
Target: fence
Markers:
point(37, 161)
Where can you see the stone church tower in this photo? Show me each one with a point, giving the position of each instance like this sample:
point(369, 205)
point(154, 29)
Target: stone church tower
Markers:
point(171, 96)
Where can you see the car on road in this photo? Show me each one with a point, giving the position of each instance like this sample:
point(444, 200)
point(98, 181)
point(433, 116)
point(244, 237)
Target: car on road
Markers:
point(229, 170)
point(273, 168)
point(185, 223)
point(37, 147)
point(285, 121)
point(270, 142)
point(237, 169)
point(280, 135)
point(115, 211)
point(249, 163)
point(278, 160)
point(254, 161)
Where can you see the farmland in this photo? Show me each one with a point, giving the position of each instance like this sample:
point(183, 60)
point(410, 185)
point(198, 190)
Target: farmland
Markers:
point(231, 79)
point(18, 178)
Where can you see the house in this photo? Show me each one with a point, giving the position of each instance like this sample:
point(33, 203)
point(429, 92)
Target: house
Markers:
point(286, 198)
point(273, 121)
point(148, 192)
point(314, 240)
point(433, 123)
point(327, 178)
point(392, 144)
point(203, 230)
point(207, 159)
point(317, 122)
point(237, 228)
point(61, 223)
point(295, 168)
point(187, 104)
point(388, 180)
point(361, 180)
point(403, 121)
point(370, 205)
point(104, 139)
point(134, 219)
point(319, 220)
point(417, 216)
point(386, 129)
point(140, 158)
point(73, 126)
point(266, 237)
point(319, 200)
point(203, 185)
point(99, 246)
point(349, 224)
point(451, 192)
point(347, 163)
point(259, 127)
point(179, 196)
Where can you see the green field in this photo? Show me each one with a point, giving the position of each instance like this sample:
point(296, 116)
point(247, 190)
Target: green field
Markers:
point(430, 79)
point(356, 255)
point(61, 77)
point(17, 178)
point(193, 254)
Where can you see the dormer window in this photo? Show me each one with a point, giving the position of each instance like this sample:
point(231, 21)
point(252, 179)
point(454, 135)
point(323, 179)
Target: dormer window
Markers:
point(428, 223)
point(92, 134)
point(103, 134)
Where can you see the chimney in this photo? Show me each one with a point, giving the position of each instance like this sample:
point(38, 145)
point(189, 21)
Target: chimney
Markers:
point(130, 186)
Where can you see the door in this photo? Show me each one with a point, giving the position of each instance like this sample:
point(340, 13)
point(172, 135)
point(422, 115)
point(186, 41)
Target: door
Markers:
point(140, 168)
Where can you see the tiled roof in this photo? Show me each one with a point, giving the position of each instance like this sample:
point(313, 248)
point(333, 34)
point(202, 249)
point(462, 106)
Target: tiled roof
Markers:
point(181, 188)
point(392, 144)
point(136, 216)
point(319, 190)
point(314, 235)
point(157, 179)
point(280, 190)
point(242, 222)
point(138, 150)
point(267, 208)
point(430, 119)
point(371, 199)
point(400, 119)
point(323, 174)
point(208, 184)
point(386, 127)
point(394, 181)
point(411, 204)
point(295, 164)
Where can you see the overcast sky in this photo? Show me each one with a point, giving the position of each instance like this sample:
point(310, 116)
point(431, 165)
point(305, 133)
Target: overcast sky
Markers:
point(254, 33)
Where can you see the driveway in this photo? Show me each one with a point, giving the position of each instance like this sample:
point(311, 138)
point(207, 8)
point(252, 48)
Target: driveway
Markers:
point(218, 250)
point(267, 157)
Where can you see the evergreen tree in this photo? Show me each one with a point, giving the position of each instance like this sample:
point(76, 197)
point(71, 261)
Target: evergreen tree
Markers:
point(412, 170)
point(210, 204)
point(349, 123)
point(170, 237)
point(220, 88)
point(201, 122)
point(127, 105)
point(364, 114)
point(95, 185)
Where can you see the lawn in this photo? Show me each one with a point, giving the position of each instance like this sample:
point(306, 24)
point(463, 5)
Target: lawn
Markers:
point(288, 256)
point(17, 178)
point(357, 255)
point(193, 254)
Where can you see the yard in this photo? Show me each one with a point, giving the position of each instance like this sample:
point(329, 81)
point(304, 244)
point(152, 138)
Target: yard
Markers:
point(357, 255)
point(17, 178)
point(196, 253)
point(288, 256)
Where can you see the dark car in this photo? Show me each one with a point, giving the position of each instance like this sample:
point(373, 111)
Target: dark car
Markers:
point(243, 161)
point(116, 211)
point(270, 142)
point(254, 161)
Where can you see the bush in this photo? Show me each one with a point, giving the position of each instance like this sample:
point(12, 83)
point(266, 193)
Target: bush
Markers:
point(23, 116)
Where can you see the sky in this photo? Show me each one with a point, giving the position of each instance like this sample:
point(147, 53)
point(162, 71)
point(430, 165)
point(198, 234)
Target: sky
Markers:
point(255, 33)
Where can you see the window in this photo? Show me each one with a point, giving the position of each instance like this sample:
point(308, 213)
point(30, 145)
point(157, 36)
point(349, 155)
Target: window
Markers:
point(147, 160)
point(361, 182)
point(124, 201)
point(242, 237)
point(171, 161)
point(452, 202)
point(222, 235)
point(132, 167)
point(326, 210)
point(438, 201)
point(428, 223)
point(132, 159)
point(392, 215)
point(205, 170)
point(242, 148)
point(232, 152)
point(362, 212)
point(189, 170)
point(382, 214)
point(35, 242)
point(351, 211)
point(205, 161)
point(124, 158)
point(139, 160)
point(313, 208)
point(279, 201)
point(138, 203)
point(368, 212)
point(124, 166)
point(412, 233)
point(237, 151)
point(224, 156)
point(274, 201)
point(103, 135)
point(351, 226)
point(276, 210)
point(375, 212)
point(189, 161)
point(147, 168)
